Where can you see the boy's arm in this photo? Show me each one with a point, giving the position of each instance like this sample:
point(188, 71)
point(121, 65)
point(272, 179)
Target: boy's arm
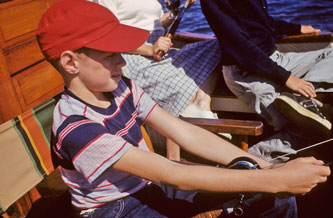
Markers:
point(297, 176)
point(195, 139)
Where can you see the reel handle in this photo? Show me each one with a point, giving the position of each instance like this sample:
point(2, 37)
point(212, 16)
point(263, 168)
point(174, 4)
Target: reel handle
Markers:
point(172, 5)
point(244, 163)
point(179, 13)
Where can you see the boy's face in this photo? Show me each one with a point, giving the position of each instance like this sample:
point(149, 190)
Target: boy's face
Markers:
point(100, 71)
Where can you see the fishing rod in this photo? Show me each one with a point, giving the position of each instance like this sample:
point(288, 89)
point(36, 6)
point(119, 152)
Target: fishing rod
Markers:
point(303, 149)
point(177, 13)
point(245, 163)
point(238, 205)
point(248, 163)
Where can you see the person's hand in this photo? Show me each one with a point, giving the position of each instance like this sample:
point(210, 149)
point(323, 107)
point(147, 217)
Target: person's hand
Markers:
point(307, 29)
point(163, 43)
point(301, 86)
point(166, 19)
point(301, 175)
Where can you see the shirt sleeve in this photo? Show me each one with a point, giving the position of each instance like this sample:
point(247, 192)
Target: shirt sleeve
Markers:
point(89, 146)
point(282, 27)
point(144, 104)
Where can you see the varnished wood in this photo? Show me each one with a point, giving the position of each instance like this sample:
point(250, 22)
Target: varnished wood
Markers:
point(37, 84)
point(26, 79)
point(307, 38)
point(210, 214)
point(1, 119)
point(16, 19)
point(9, 104)
point(237, 127)
point(5, 215)
point(191, 37)
point(24, 204)
point(22, 55)
point(240, 129)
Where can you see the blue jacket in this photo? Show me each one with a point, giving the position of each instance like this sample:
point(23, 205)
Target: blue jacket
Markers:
point(247, 34)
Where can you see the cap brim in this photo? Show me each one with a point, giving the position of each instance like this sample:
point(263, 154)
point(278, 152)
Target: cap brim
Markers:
point(123, 38)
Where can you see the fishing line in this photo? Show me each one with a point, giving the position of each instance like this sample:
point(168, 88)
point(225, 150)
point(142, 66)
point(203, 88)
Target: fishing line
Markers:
point(302, 149)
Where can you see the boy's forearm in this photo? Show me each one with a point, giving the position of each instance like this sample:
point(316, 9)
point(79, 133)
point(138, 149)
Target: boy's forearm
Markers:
point(196, 177)
point(203, 178)
point(296, 176)
point(197, 140)
point(211, 147)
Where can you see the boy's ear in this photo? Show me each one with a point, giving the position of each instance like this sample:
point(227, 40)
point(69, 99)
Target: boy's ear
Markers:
point(68, 63)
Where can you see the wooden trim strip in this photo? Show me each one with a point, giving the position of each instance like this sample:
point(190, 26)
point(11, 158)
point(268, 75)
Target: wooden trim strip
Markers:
point(237, 127)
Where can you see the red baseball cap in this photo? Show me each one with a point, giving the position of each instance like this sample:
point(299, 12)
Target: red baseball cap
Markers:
point(73, 24)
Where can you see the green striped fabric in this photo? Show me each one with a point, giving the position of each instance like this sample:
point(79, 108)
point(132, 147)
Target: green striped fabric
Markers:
point(25, 152)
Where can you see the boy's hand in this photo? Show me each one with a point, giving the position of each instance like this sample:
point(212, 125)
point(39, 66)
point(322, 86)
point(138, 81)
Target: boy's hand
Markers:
point(273, 166)
point(302, 174)
point(163, 43)
point(309, 29)
point(301, 86)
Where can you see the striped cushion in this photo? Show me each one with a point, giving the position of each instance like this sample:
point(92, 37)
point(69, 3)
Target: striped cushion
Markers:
point(25, 152)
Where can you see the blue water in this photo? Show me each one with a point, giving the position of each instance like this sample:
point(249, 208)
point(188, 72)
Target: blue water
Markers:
point(318, 13)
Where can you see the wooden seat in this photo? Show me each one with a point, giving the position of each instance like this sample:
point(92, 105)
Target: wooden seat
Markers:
point(239, 128)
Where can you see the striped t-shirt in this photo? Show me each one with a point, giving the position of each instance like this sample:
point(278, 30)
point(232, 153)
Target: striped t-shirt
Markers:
point(87, 140)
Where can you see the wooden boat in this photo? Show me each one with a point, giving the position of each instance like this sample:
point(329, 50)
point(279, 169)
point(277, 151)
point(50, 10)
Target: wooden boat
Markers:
point(28, 82)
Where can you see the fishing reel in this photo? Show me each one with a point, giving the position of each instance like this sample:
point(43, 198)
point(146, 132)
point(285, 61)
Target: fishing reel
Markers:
point(243, 163)
point(242, 201)
point(172, 4)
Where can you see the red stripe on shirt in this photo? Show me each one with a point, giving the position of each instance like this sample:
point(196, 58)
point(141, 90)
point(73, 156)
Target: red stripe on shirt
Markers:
point(92, 141)
point(128, 125)
point(149, 112)
point(106, 160)
point(139, 99)
point(68, 129)
point(125, 98)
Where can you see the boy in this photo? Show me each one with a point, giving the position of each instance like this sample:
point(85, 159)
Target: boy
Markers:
point(104, 160)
